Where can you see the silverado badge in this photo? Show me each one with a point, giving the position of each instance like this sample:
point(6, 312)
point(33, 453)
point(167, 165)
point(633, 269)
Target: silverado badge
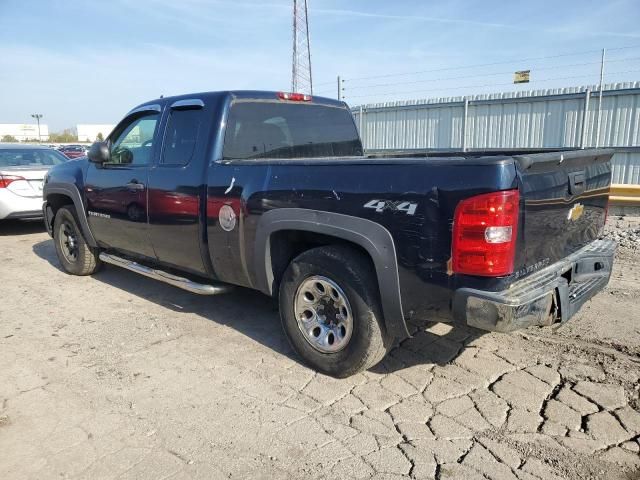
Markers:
point(575, 212)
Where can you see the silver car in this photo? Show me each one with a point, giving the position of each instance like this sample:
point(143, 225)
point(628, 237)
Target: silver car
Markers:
point(22, 171)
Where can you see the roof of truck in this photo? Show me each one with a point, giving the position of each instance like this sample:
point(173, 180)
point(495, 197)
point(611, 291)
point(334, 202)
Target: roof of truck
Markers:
point(239, 94)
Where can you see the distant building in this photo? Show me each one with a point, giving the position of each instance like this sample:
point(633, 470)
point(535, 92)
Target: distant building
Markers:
point(90, 132)
point(24, 131)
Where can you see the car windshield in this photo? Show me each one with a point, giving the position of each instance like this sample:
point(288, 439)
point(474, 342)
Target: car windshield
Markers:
point(30, 158)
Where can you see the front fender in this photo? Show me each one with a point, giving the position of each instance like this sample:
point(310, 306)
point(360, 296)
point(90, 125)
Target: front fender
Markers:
point(71, 191)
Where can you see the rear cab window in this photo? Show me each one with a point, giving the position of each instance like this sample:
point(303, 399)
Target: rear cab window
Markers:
point(279, 130)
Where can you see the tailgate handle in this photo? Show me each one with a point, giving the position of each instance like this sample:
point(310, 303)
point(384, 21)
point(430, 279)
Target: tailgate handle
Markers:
point(576, 183)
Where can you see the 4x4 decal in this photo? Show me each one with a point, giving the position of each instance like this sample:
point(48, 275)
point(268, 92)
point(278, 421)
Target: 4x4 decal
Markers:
point(395, 206)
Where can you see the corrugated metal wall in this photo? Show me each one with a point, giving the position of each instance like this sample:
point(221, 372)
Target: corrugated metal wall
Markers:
point(626, 167)
point(532, 119)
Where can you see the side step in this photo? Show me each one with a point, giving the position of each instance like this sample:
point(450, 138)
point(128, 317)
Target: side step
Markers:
point(180, 282)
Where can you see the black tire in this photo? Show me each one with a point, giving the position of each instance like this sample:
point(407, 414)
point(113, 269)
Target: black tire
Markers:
point(355, 276)
point(76, 256)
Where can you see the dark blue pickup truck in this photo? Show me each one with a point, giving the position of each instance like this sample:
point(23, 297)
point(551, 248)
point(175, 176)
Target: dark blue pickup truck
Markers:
point(273, 191)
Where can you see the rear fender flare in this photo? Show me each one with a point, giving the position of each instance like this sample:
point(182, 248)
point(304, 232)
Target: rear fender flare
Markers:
point(375, 239)
point(73, 193)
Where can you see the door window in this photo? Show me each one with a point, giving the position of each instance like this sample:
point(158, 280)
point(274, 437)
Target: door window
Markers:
point(181, 136)
point(133, 145)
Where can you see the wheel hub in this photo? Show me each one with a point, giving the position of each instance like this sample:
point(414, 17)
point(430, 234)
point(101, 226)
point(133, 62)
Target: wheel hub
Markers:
point(68, 242)
point(323, 314)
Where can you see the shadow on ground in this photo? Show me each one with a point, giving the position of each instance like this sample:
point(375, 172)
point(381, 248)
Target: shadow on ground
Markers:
point(255, 315)
point(20, 227)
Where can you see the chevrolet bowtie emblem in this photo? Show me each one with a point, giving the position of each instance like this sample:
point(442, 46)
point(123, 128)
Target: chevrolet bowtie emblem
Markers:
point(575, 212)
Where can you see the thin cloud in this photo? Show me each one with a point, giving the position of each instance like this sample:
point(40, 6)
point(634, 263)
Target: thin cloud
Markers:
point(474, 23)
point(196, 13)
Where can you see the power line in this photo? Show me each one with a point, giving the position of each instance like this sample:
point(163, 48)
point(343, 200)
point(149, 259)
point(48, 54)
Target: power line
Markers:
point(325, 83)
point(623, 48)
point(490, 74)
point(462, 67)
point(480, 86)
point(413, 82)
point(321, 92)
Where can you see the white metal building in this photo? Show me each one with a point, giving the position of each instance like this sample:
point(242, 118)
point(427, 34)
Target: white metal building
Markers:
point(89, 132)
point(554, 118)
point(24, 131)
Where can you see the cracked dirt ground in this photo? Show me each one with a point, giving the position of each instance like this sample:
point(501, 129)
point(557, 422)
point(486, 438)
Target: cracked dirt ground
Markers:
point(119, 376)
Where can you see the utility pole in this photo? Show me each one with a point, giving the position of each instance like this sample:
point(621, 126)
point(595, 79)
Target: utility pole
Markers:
point(339, 86)
point(600, 99)
point(301, 79)
point(38, 116)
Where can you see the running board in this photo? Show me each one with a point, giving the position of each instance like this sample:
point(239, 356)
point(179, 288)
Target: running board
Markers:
point(180, 282)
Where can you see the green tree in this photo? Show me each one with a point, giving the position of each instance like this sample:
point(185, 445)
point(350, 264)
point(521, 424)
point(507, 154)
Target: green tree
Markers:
point(100, 138)
point(67, 136)
point(9, 139)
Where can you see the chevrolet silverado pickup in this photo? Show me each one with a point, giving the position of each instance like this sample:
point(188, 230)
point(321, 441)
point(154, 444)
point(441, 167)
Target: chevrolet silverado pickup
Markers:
point(272, 191)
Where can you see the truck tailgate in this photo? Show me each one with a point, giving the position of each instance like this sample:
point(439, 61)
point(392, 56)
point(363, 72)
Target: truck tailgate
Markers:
point(565, 202)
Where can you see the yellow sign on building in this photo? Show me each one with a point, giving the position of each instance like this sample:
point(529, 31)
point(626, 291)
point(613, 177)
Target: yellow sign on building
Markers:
point(522, 76)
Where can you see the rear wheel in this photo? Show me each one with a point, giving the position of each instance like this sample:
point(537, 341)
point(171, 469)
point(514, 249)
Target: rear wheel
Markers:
point(74, 254)
point(330, 311)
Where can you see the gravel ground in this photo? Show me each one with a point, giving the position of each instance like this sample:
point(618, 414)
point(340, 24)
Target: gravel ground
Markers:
point(625, 231)
point(119, 376)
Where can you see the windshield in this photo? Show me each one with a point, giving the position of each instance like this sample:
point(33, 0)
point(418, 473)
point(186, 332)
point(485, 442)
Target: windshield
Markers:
point(30, 158)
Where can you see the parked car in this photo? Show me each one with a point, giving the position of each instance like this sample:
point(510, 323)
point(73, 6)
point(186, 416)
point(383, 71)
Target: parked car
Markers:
point(22, 170)
point(272, 191)
point(73, 151)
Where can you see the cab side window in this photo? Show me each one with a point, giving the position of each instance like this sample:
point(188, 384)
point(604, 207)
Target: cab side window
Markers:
point(181, 136)
point(133, 145)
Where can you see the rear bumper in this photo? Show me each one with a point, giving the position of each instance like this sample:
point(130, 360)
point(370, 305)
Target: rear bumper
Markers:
point(24, 215)
point(553, 294)
point(16, 206)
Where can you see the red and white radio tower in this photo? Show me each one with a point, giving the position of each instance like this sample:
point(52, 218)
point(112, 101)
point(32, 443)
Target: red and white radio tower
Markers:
point(301, 70)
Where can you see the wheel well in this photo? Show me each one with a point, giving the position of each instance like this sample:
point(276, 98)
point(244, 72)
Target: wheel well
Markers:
point(57, 200)
point(285, 245)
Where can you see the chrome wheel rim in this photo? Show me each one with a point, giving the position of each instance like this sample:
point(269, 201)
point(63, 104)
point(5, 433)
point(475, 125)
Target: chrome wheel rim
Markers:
point(323, 314)
point(68, 241)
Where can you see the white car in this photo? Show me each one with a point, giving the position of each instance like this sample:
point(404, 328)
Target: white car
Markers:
point(22, 171)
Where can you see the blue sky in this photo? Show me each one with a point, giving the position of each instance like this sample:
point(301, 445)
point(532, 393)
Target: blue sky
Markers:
point(91, 61)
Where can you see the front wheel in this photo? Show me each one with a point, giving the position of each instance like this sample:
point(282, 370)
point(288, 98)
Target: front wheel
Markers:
point(330, 311)
point(74, 254)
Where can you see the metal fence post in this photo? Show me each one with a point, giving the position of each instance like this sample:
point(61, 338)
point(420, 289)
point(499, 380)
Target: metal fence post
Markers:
point(361, 124)
point(464, 124)
point(585, 119)
point(600, 98)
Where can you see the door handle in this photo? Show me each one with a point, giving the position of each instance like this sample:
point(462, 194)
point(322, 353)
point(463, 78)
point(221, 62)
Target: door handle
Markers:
point(134, 185)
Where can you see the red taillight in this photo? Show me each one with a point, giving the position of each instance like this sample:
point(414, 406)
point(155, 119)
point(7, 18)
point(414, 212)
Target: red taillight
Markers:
point(5, 180)
point(484, 234)
point(294, 97)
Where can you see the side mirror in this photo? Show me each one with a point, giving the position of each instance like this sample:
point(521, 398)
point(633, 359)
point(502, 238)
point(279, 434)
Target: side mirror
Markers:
point(99, 152)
